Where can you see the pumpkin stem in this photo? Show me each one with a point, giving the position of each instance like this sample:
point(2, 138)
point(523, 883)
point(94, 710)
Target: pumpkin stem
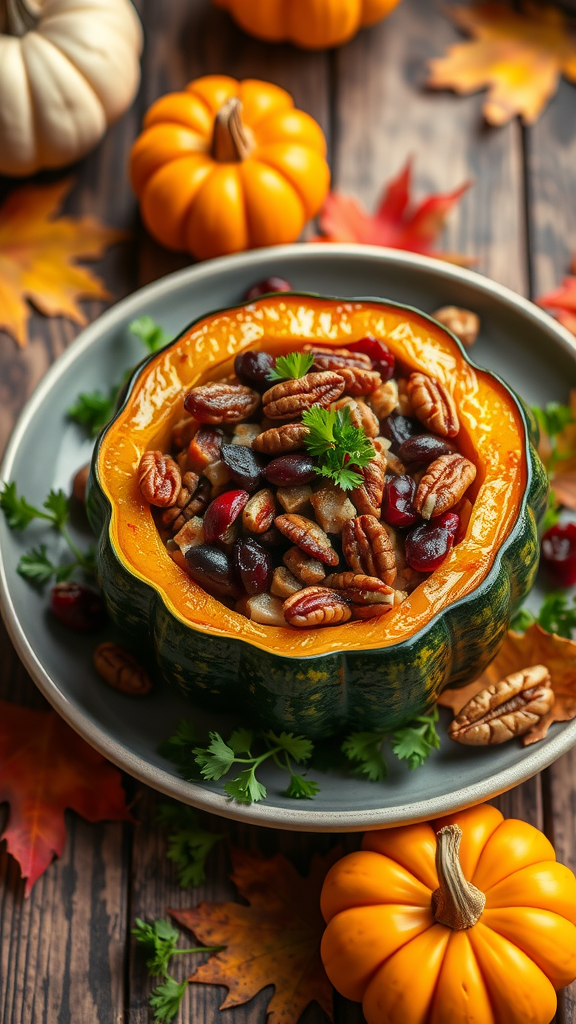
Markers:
point(17, 17)
point(456, 903)
point(232, 140)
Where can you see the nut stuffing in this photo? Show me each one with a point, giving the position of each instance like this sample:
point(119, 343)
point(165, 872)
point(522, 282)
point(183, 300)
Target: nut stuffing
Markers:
point(314, 488)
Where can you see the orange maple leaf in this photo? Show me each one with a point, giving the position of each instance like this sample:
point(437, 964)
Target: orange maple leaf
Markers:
point(562, 302)
point(521, 650)
point(518, 56)
point(397, 223)
point(36, 250)
point(45, 768)
point(275, 940)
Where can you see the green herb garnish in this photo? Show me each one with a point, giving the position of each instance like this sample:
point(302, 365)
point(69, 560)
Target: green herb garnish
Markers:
point(158, 941)
point(35, 565)
point(338, 447)
point(152, 336)
point(292, 365)
point(188, 844)
point(412, 743)
point(552, 420)
point(167, 997)
point(555, 616)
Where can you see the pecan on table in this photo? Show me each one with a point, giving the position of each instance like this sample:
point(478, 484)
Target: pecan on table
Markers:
point(370, 597)
point(291, 398)
point(121, 670)
point(159, 479)
point(333, 359)
point(462, 322)
point(221, 402)
point(308, 536)
point(359, 381)
point(368, 549)
point(433, 405)
point(368, 496)
point(443, 484)
point(316, 606)
point(506, 709)
point(288, 437)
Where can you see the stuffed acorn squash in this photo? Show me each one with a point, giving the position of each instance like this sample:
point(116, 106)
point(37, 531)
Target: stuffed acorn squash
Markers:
point(373, 670)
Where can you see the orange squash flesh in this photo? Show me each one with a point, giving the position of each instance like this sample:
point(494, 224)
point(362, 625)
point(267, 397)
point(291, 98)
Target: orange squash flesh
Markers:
point(491, 435)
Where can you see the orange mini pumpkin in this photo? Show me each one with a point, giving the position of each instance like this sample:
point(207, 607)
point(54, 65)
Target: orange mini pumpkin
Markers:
point(469, 920)
point(313, 24)
point(225, 166)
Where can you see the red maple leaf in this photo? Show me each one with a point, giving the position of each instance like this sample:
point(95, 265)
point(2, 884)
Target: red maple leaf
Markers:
point(562, 302)
point(397, 223)
point(45, 768)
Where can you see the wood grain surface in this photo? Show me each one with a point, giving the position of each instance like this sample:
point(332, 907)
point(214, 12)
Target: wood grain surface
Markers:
point(66, 955)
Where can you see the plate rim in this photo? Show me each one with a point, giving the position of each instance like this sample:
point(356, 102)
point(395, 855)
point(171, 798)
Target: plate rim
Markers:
point(158, 778)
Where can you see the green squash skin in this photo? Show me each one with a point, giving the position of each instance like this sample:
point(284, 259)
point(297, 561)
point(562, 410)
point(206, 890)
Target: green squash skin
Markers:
point(328, 694)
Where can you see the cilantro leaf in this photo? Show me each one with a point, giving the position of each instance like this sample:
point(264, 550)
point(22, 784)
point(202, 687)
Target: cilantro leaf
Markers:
point(245, 788)
point(179, 748)
point(553, 418)
point(365, 750)
point(166, 998)
point(158, 941)
point(152, 336)
point(241, 741)
point(216, 759)
point(522, 620)
point(93, 410)
point(556, 616)
point(57, 503)
point(292, 365)
point(36, 567)
point(337, 445)
point(415, 741)
point(298, 747)
point(188, 843)
point(300, 788)
point(19, 512)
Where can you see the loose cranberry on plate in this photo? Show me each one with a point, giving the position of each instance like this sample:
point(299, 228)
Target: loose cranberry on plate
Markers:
point(429, 544)
point(383, 360)
point(222, 512)
point(253, 368)
point(397, 505)
point(77, 606)
point(268, 285)
point(253, 565)
point(559, 553)
point(292, 470)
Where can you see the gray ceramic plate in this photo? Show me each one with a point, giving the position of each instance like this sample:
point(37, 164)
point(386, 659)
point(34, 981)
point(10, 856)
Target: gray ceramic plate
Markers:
point(529, 349)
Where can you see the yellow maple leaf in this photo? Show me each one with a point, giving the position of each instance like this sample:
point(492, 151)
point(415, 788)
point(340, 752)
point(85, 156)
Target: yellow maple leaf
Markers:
point(36, 253)
point(518, 56)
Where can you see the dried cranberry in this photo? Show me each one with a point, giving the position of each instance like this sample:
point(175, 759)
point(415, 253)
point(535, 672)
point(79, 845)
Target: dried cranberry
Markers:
point(211, 569)
point(397, 505)
point(290, 470)
point(559, 553)
point(243, 465)
point(424, 448)
point(268, 285)
point(222, 512)
point(383, 360)
point(399, 428)
point(428, 545)
point(253, 565)
point(253, 368)
point(78, 607)
point(449, 521)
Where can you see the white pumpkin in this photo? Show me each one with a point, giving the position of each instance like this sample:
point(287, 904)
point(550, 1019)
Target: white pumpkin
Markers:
point(68, 68)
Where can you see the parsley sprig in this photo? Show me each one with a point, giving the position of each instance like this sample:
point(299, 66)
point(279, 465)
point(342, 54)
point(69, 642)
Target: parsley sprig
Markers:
point(555, 616)
point(218, 757)
point(338, 447)
point(158, 942)
point(35, 565)
point(291, 366)
point(189, 845)
point(93, 409)
point(412, 743)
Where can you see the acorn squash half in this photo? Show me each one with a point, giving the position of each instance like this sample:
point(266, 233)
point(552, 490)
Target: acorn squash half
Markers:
point(363, 675)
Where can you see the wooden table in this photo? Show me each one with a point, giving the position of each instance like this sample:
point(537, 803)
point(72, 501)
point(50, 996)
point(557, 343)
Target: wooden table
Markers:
point(66, 955)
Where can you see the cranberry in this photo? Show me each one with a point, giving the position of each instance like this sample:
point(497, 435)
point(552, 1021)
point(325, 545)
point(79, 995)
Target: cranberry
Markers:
point(290, 470)
point(268, 285)
point(399, 429)
point(428, 545)
point(448, 521)
point(253, 368)
point(253, 565)
point(397, 506)
point(424, 448)
point(222, 512)
point(559, 553)
point(383, 360)
point(243, 465)
point(78, 607)
point(211, 569)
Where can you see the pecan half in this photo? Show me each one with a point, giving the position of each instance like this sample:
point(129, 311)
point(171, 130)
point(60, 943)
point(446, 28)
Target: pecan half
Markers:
point(196, 505)
point(290, 398)
point(367, 548)
point(308, 536)
point(120, 670)
point(433, 405)
point(159, 479)
point(258, 514)
point(384, 399)
point(359, 381)
point(462, 322)
point(360, 589)
point(316, 606)
point(287, 438)
point(506, 709)
point(368, 497)
point(333, 359)
point(219, 402)
point(189, 484)
point(443, 484)
point(361, 415)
